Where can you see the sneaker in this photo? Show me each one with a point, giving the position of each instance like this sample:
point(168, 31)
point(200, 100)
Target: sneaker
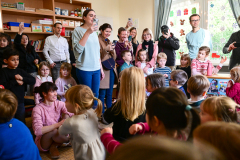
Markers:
point(68, 144)
point(54, 151)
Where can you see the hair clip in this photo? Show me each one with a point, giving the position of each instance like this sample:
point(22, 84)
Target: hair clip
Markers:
point(188, 108)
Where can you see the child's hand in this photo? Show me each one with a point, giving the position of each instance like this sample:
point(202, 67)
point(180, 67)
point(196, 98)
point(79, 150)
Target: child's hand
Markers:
point(204, 73)
point(107, 130)
point(135, 128)
point(230, 83)
point(60, 123)
point(223, 60)
point(145, 70)
point(18, 77)
point(21, 28)
point(19, 82)
point(165, 75)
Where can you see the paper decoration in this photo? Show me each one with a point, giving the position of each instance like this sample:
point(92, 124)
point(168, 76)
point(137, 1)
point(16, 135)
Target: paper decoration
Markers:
point(182, 32)
point(194, 10)
point(223, 7)
point(223, 40)
point(181, 53)
point(186, 11)
point(235, 25)
point(179, 13)
point(215, 54)
point(171, 14)
point(223, 18)
point(222, 28)
point(171, 23)
point(182, 21)
point(212, 5)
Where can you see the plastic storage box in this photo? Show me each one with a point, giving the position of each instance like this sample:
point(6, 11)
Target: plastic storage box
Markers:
point(17, 24)
point(20, 6)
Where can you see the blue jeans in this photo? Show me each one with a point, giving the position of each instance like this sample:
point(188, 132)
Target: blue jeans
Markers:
point(90, 79)
point(20, 113)
point(107, 92)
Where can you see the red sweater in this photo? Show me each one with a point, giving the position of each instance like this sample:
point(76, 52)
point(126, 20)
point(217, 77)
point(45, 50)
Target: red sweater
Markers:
point(234, 92)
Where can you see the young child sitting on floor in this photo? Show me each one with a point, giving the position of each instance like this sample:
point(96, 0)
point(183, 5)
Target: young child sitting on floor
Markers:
point(143, 59)
point(16, 141)
point(127, 57)
point(201, 64)
point(154, 81)
point(161, 60)
point(198, 86)
point(5, 43)
point(178, 79)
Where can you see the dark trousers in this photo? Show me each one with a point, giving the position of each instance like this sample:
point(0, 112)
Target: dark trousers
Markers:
point(20, 113)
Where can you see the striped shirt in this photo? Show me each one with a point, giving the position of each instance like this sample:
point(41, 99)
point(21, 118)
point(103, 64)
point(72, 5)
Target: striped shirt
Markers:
point(201, 67)
point(164, 70)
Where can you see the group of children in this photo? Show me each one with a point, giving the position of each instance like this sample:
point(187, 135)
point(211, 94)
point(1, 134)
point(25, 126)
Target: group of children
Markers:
point(72, 121)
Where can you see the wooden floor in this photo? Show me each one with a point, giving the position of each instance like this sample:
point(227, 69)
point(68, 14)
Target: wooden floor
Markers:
point(66, 153)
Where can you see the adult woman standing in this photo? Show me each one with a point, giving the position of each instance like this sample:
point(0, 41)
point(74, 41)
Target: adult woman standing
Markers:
point(28, 58)
point(107, 53)
point(235, 58)
point(152, 49)
point(86, 49)
point(133, 33)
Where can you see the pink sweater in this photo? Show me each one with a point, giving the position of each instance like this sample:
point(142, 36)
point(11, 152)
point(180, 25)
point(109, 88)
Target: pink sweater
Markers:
point(63, 85)
point(44, 115)
point(39, 81)
point(152, 61)
point(201, 67)
point(111, 144)
point(234, 92)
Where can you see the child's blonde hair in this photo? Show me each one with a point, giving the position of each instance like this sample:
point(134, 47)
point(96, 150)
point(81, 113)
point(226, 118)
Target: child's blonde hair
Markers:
point(147, 30)
point(44, 63)
point(132, 93)
point(8, 105)
point(186, 56)
point(82, 98)
point(198, 84)
point(66, 66)
point(161, 55)
point(221, 108)
point(206, 49)
point(235, 73)
point(223, 136)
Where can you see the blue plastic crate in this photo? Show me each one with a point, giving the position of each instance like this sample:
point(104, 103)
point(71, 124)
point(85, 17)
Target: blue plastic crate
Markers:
point(17, 24)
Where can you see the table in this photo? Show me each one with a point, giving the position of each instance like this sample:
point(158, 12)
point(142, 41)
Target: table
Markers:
point(218, 84)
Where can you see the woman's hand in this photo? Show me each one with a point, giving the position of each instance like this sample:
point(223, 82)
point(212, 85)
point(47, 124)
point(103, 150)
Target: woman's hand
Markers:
point(126, 44)
point(223, 60)
point(130, 45)
point(231, 47)
point(92, 29)
point(230, 84)
point(109, 47)
point(135, 128)
point(102, 74)
point(107, 130)
point(21, 28)
point(35, 61)
point(60, 123)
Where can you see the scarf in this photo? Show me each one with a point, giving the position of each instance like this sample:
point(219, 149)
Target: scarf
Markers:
point(149, 49)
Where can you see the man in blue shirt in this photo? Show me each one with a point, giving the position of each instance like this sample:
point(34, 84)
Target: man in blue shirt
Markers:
point(197, 37)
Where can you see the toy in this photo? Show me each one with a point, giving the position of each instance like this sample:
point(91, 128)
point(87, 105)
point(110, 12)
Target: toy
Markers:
point(181, 53)
point(182, 21)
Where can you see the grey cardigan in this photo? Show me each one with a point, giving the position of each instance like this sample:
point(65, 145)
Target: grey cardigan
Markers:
point(235, 57)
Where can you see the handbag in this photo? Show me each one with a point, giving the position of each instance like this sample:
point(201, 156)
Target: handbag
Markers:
point(108, 64)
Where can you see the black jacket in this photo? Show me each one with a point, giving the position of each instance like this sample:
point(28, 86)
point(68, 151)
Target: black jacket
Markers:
point(168, 46)
point(235, 57)
point(26, 58)
point(2, 56)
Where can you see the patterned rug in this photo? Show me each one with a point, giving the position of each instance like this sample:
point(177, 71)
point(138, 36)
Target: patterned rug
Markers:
point(66, 153)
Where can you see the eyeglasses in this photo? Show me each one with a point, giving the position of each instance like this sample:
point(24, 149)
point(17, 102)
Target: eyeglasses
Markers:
point(146, 35)
point(195, 20)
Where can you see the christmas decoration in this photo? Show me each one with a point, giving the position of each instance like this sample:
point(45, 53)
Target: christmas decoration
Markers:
point(171, 23)
point(182, 32)
point(194, 10)
point(179, 13)
point(182, 21)
point(186, 11)
point(171, 14)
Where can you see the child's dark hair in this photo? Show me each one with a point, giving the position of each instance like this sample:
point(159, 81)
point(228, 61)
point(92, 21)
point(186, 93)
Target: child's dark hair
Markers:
point(138, 56)
point(170, 106)
point(29, 47)
point(7, 37)
point(180, 76)
point(157, 80)
point(45, 87)
point(7, 53)
point(124, 52)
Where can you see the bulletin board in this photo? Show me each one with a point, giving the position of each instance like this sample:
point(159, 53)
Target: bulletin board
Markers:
point(103, 20)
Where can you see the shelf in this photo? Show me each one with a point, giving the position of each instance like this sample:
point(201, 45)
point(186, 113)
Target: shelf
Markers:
point(7, 31)
point(24, 13)
point(66, 36)
point(74, 2)
point(68, 17)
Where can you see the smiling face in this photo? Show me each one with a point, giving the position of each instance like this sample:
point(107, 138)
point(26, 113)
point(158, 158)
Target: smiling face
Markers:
point(51, 96)
point(12, 62)
point(3, 42)
point(44, 71)
point(147, 36)
point(88, 20)
point(133, 33)
point(24, 40)
point(123, 36)
point(106, 33)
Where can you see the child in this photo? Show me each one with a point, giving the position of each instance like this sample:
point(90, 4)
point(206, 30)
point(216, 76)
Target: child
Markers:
point(233, 90)
point(47, 117)
point(154, 81)
point(168, 119)
point(198, 86)
point(178, 79)
point(142, 57)
point(5, 42)
point(130, 106)
point(161, 60)
point(218, 109)
point(127, 57)
point(185, 65)
point(201, 64)
point(221, 135)
point(43, 76)
point(65, 81)
point(83, 126)
point(15, 80)
point(16, 141)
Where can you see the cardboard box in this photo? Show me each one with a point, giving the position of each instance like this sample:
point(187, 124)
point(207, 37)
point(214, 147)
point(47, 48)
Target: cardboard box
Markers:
point(71, 23)
point(47, 11)
point(36, 27)
point(47, 29)
point(65, 23)
point(16, 29)
point(77, 23)
point(58, 21)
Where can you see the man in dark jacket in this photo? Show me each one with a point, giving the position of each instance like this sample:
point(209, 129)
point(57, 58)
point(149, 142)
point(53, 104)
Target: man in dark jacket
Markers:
point(168, 44)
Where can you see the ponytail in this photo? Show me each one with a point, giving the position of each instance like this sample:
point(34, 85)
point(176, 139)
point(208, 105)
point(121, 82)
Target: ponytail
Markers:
point(99, 108)
point(195, 122)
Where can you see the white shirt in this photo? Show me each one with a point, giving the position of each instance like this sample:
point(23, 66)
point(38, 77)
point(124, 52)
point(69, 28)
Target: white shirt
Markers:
point(150, 70)
point(57, 48)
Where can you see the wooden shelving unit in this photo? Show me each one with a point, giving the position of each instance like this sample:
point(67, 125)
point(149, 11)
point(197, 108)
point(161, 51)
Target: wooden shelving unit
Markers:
point(68, 17)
